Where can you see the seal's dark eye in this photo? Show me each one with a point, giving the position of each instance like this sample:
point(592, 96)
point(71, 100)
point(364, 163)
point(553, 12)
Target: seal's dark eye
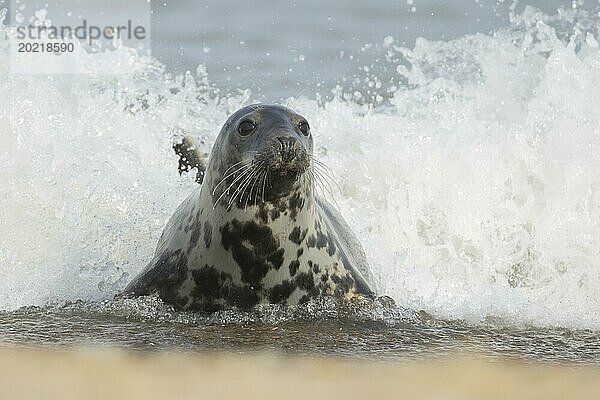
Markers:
point(304, 128)
point(246, 128)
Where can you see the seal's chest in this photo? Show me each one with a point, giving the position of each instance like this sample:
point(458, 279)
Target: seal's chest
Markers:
point(253, 247)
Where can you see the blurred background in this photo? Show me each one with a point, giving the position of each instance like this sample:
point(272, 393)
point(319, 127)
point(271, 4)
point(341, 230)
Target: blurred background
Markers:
point(288, 48)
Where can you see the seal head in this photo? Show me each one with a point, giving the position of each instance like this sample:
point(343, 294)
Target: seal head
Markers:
point(261, 142)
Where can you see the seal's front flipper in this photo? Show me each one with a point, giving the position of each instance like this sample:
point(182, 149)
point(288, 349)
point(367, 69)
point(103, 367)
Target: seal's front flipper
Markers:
point(190, 157)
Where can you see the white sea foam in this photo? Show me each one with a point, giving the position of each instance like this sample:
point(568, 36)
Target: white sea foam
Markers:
point(476, 192)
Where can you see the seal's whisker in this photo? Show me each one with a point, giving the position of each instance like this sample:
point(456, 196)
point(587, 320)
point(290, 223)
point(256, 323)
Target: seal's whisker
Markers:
point(245, 162)
point(244, 188)
point(323, 179)
point(237, 163)
point(243, 167)
point(328, 178)
point(321, 163)
point(244, 176)
point(241, 176)
point(326, 171)
point(298, 177)
point(252, 187)
point(249, 152)
point(323, 167)
point(318, 187)
point(268, 181)
point(243, 185)
point(326, 181)
point(264, 174)
point(263, 185)
point(255, 175)
point(317, 177)
point(307, 180)
point(257, 188)
point(238, 190)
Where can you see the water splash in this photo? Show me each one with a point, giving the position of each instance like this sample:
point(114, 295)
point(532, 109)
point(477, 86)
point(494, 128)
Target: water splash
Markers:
point(487, 202)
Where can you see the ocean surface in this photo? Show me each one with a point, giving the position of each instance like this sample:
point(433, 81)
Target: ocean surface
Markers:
point(464, 135)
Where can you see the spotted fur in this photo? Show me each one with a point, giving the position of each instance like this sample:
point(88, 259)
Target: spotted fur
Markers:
point(288, 245)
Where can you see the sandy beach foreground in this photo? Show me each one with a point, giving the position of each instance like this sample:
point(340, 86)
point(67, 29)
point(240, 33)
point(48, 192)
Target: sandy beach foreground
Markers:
point(115, 374)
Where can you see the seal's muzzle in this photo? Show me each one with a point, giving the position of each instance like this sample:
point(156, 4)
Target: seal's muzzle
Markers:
point(286, 156)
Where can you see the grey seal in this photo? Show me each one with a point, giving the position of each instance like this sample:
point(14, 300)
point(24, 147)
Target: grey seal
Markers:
point(256, 230)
